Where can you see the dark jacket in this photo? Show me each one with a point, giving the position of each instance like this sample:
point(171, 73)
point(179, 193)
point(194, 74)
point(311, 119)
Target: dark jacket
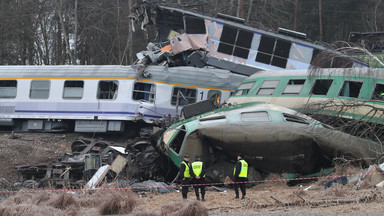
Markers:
point(238, 169)
point(182, 169)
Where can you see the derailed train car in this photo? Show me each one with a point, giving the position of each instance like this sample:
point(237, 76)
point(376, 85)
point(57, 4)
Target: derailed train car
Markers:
point(273, 139)
point(349, 93)
point(103, 98)
point(230, 43)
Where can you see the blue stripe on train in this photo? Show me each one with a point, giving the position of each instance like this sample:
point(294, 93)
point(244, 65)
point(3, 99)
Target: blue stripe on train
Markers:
point(83, 112)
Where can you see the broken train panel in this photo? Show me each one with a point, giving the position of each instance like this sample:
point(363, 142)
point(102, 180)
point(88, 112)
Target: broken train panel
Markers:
point(76, 168)
point(274, 140)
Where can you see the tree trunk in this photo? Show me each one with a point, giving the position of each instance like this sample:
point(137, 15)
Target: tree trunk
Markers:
point(75, 33)
point(295, 15)
point(249, 11)
point(129, 44)
point(231, 7)
point(59, 48)
point(320, 23)
point(239, 11)
point(118, 31)
point(66, 37)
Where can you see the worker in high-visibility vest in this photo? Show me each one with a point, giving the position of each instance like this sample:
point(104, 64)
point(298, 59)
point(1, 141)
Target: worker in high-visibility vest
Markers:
point(184, 173)
point(198, 174)
point(240, 175)
point(381, 96)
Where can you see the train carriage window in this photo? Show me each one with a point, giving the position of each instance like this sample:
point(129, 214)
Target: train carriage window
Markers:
point(351, 89)
point(273, 51)
point(39, 89)
point(213, 94)
point(177, 142)
point(268, 87)
point(8, 88)
point(378, 93)
point(301, 53)
point(244, 88)
point(186, 96)
point(194, 25)
point(294, 86)
point(144, 91)
point(255, 116)
point(107, 90)
point(321, 86)
point(73, 89)
point(235, 42)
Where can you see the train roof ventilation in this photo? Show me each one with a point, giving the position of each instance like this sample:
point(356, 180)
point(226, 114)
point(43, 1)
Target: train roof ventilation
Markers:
point(292, 33)
point(230, 18)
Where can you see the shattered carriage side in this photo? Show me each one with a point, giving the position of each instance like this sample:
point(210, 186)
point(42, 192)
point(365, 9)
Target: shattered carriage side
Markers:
point(273, 138)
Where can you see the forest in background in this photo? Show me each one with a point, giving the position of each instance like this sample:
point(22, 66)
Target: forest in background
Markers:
point(98, 32)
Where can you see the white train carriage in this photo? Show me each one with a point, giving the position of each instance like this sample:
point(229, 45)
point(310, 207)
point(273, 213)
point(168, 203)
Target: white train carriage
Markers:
point(102, 98)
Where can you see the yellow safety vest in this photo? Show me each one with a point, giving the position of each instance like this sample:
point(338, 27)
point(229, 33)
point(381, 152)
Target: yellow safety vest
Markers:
point(244, 169)
point(186, 171)
point(197, 168)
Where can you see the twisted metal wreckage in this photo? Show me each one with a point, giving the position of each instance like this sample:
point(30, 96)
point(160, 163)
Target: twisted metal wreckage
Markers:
point(274, 138)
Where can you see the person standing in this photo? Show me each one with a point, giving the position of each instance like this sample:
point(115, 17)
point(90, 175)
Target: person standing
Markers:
point(198, 174)
point(184, 172)
point(240, 175)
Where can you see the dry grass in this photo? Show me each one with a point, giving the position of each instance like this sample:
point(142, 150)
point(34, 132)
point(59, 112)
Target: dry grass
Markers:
point(188, 208)
point(30, 210)
point(89, 203)
point(118, 204)
point(147, 213)
point(191, 209)
point(269, 196)
point(64, 200)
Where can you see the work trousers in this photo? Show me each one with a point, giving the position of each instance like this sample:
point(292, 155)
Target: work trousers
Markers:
point(184, 189)
point(202, 187)
point(241, 185)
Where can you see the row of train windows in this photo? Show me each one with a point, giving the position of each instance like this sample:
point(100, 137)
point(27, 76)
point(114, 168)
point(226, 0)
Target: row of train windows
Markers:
point(238, 42)
point(321, 87)
point(271, 50)
point(107, 90)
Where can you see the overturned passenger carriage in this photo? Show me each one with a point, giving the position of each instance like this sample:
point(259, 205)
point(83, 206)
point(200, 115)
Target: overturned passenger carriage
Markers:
point(228, 42)
point(273, 139)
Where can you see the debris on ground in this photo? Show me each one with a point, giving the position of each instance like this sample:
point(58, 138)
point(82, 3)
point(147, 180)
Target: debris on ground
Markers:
point(152, 186)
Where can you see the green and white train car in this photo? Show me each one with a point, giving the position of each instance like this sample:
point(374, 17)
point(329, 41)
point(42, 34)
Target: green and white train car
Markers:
point(272, 138)
point(351, 93)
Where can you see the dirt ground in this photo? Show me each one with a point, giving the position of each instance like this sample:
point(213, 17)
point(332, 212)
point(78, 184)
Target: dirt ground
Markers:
point(270, 197)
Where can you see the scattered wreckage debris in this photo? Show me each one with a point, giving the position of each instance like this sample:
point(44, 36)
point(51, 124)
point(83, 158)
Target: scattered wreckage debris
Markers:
point(76, 168)
point(152, 186)
point(93, 161)
point(373, 176)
